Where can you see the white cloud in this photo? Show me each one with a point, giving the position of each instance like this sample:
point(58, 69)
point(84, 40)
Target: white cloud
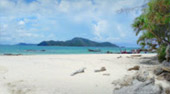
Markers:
point(100, 27)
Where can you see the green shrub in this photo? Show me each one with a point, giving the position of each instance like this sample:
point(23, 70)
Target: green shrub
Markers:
point(161, 53)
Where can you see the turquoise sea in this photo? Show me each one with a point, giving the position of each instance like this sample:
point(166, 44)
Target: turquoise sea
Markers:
point(29, 50)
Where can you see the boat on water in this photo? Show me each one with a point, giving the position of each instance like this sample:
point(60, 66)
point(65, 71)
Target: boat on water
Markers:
point(96, 50)
point(135, 51)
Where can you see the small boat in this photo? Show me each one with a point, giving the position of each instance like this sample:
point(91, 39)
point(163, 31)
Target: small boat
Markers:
point(91, 50)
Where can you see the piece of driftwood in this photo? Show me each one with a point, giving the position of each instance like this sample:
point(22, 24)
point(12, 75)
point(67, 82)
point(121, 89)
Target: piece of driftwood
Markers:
point(78, 71)
point(134, 68)
point(101, 69)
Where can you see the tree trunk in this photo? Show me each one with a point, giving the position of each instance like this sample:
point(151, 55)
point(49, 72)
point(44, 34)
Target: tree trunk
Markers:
point(168, 53)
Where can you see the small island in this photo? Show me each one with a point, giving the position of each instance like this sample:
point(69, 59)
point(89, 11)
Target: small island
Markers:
point(77, 42)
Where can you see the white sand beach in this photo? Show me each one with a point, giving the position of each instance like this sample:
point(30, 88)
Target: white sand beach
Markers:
point(51, 74)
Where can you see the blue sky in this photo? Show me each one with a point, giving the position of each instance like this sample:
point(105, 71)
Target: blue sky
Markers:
point(33, 21)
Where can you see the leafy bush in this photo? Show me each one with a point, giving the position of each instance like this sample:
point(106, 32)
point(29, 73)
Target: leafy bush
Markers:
point(161, 53)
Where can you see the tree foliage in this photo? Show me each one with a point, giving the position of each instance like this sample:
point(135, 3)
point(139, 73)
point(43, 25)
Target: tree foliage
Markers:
point(153, 25)
point(155, 19)
point(147, 40)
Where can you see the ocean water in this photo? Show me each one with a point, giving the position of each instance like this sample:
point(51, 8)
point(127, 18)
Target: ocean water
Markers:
point(29, 50)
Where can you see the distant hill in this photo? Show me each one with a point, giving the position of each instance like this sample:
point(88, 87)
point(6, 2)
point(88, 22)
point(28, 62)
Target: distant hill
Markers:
point(77, 42)
point(26, 44)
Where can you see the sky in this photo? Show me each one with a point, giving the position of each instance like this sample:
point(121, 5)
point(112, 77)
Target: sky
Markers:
point(33, 21)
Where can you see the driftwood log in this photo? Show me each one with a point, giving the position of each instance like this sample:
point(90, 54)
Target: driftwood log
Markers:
point(101, 69)
point(134, 68)
point(78, 71)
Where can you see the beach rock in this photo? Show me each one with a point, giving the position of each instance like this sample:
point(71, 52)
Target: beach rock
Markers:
point(166, 64)
point(142, 76)
point(167, 90)
point(126, 81)
point(138, 87)
point(158, 71)
point(166, 69)
point(163, 73)
point(134, 68)
point(166, 76)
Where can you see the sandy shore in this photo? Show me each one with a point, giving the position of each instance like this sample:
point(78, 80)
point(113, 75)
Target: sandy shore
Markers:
point(50, 74)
